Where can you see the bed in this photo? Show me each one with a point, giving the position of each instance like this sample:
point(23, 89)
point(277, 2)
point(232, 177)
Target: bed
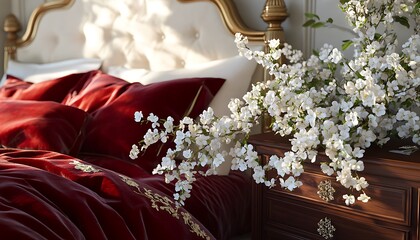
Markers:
point(72, 83)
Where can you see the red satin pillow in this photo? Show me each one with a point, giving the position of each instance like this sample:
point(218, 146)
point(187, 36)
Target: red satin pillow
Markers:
point(51, 90)
point(113, 130)
point(41, 125)
point(96, 92)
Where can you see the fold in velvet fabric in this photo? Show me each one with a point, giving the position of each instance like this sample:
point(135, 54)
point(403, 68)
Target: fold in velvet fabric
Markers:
point(42, 125)
point(221, 203)
point(47, 195)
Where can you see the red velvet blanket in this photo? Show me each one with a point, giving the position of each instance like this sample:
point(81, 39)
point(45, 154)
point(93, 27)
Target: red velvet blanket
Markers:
point(46, 195)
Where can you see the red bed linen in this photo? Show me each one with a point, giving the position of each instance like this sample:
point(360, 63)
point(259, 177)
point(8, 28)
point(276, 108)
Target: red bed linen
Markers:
point(51, 90)
point(42, 125)
point(221, 203)
point(48, 195)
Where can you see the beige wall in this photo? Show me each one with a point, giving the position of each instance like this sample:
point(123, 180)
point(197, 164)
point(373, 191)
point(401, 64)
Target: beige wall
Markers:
point(5, 8)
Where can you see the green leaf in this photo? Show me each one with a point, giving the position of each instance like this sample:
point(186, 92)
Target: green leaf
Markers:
point(309, 23)
point(346, 44)
point(344, 1)
point(405, 66)
point(315, 52)
point(416, 9)
point(331, 66)
point(311, 15)
point(318, 25)
point(402, 20)
point(330, 20)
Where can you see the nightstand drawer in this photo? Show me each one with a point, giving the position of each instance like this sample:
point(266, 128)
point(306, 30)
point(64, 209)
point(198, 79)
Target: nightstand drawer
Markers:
point(290, 219)
point(387, 203)
point(392, 213)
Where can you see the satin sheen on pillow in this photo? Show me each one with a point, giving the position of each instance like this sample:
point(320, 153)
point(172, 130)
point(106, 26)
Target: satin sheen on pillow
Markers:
point(112, 130)
point(236, 70)
point(36, 73)
point(99, 90)
point(41, 125)
point(52, 90)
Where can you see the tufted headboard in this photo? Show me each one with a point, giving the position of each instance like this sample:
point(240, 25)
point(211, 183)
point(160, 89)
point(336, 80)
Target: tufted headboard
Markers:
point(150, 34)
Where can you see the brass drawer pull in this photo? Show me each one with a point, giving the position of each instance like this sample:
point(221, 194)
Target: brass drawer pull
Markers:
point(325, 228)
point(325, 190)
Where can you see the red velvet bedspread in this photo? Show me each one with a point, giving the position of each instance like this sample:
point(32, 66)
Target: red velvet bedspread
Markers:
point(221, 203)
point(65, 171)
point(47, 195)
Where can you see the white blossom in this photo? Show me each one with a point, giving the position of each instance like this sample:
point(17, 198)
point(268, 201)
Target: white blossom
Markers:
point(134, 152)
point(363, 197)
point(324, 102)
point(138, 116)
point(290, 183)
point(349, 199)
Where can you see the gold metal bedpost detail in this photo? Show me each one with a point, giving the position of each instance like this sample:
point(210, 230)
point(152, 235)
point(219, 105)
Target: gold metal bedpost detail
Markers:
point(274, 14)
point(11, 27)
point(36, 16)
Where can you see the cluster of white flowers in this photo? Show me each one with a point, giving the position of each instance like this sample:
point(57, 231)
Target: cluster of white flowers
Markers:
point(342, 106)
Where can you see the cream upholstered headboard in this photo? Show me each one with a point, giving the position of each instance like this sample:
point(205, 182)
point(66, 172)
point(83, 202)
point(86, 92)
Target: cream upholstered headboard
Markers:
point(151, 34)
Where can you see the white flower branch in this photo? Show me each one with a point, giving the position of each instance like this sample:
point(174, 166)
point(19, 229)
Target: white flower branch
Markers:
point(327, 102)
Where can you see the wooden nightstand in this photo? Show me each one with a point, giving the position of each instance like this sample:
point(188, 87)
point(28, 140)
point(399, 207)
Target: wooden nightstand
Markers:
point(391, 214)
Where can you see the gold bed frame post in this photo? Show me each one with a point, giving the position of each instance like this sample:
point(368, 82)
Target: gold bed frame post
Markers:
point(274, 14)
point(11, 27)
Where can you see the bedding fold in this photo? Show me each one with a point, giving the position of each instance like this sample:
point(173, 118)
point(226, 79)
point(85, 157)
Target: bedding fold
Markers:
point(65, 171)
point(53, 196)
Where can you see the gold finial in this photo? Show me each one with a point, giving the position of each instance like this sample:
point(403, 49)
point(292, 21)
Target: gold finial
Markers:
point(274, 14)
point(11, 26)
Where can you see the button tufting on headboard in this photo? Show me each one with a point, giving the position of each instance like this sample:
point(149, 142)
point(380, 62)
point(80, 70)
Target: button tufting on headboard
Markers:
point(151, 34)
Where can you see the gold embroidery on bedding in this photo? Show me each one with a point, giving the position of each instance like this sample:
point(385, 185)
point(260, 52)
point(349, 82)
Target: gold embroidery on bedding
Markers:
point(195, 228)
point(164, 203)
point(84, 167)
point(158, 202)
point(130, 182)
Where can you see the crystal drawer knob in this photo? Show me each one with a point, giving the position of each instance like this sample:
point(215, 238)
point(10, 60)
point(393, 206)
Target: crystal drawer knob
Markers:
point(326, 191)
point(325, 228)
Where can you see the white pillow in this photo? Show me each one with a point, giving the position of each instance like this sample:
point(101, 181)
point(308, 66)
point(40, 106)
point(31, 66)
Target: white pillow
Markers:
point(36, 73)
point(236, 70)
